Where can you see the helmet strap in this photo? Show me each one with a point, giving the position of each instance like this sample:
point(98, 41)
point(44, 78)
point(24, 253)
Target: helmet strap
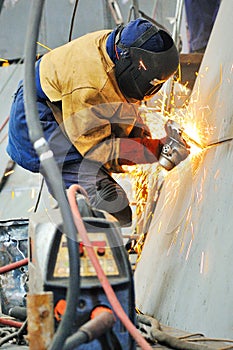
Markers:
point(139, 41)
point(145, 36)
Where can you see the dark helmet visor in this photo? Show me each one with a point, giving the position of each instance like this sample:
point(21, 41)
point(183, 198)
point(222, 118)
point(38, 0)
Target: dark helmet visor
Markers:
point(156, 85)
point(142, 73)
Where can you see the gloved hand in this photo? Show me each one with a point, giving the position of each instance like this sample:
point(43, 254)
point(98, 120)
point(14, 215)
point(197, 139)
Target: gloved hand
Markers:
point(140, 129)
point(139, 151)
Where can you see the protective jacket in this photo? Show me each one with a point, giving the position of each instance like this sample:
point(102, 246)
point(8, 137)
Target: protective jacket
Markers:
point(82, 111)
point(95, 114)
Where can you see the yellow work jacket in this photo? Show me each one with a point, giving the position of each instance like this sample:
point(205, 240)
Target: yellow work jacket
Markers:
point(95, 114)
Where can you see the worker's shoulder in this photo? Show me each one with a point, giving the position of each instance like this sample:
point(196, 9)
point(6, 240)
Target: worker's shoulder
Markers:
point(84, 41)
point(92, 36)
point(97, 33)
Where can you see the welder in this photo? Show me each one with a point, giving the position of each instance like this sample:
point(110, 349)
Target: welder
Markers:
point(88, 94)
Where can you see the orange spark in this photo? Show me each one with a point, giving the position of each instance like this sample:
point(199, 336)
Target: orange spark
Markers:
point(217, 174)
point(189, 248)
point(202, 262)
point(142, 65)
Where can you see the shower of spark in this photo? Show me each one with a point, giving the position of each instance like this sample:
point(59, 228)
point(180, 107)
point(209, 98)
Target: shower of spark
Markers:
point(194, 133)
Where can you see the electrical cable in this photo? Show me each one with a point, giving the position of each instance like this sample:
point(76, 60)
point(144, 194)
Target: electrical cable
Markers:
point(159, 336)
point(7, 172)
point(39, 195)
point(53, 175)
point(153, 21)
point(10, 322)
point(18, 312)
point(118, 309)
point(14, 265)
point(93, 329)
point(4, 123)
point(17, 334)
point(72, 20)
point(225, 340)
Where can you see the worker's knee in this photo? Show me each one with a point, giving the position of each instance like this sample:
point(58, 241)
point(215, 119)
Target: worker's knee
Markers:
point(124, 216)
point(112, 198)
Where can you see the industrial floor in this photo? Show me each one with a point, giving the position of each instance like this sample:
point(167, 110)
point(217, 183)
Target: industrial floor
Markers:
point(203, 342)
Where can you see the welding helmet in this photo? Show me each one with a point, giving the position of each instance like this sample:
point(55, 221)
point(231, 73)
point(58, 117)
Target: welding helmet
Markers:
point(141, 72)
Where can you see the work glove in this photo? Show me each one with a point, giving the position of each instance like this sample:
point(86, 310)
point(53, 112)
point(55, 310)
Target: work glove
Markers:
point(139, 150)
point(140, 129)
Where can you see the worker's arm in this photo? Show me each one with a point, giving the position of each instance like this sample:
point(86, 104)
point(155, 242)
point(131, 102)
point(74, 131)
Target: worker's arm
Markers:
point(113, 142)
point(140, 129)
point(119, 140)
point(139, 151)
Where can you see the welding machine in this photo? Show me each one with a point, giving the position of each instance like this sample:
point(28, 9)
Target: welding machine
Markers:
point(49, 269)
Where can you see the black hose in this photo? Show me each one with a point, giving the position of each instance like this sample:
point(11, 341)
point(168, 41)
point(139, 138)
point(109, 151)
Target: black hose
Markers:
point(75, 340)
point(18, 334)
point(1, 4)
point(51, 172)
point(91, 330)
point(153, 21)
point(8, 171)
point(72, 20)
point(158, 336)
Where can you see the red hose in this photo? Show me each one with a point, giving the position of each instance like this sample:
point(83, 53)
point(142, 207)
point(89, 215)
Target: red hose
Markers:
point(4, 123)
point(10, 323)
point(13, 266)
point(119, 311)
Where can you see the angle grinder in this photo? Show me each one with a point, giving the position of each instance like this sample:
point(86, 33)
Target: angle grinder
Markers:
point(175, 148)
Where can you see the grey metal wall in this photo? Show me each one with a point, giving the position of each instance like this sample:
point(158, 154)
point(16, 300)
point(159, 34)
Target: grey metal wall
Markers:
point(55, 24)
point(184, 277)
point(19, 195)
